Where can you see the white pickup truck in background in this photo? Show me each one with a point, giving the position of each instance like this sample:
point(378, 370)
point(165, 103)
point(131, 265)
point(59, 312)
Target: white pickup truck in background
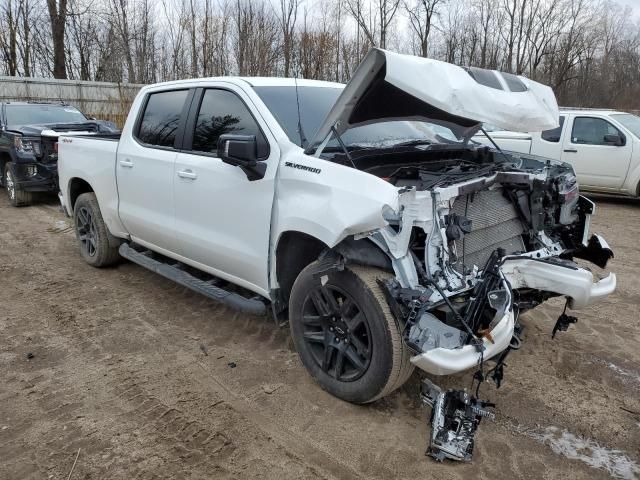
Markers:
point(603, 146)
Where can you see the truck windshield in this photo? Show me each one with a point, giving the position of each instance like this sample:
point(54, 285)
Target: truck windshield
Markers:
point(314, 105)
point(632, 122)
point(42, 114)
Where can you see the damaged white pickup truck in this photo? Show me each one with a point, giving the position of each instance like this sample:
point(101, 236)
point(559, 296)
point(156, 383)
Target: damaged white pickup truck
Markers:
point(386, 238)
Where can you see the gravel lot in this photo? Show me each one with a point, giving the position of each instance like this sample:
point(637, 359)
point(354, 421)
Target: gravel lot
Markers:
point(119, 373)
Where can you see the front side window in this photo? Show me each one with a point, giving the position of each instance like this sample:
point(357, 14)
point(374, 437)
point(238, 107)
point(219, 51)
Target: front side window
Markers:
point(222, 112)
point(553, 135)
point(592, 131)
point(161, 118)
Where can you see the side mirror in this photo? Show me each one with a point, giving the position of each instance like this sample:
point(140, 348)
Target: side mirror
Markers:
point(242, 151)
point(613, 139)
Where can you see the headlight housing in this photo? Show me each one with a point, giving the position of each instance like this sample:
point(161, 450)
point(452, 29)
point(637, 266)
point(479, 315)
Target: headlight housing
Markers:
point(27, 145)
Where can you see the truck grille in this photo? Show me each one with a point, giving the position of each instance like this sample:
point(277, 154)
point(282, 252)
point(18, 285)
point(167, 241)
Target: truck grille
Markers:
point(494, 224)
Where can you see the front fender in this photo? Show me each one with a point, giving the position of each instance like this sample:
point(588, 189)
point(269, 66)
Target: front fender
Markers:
point(328, 201)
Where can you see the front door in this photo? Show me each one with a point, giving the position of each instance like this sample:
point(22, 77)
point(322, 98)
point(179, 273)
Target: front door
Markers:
point(598, 162)
point(223, 220)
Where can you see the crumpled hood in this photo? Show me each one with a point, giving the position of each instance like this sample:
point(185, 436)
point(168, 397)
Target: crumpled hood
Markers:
point(390, 86)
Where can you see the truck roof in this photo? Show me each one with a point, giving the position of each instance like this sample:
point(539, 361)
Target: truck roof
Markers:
point(258, 82)
point(597, 111)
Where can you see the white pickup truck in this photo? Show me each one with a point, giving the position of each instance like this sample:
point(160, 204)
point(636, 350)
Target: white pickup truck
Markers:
point(362, 214)
point(603, 146)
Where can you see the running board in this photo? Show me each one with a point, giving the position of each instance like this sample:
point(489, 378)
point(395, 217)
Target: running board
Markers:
point(206, 288)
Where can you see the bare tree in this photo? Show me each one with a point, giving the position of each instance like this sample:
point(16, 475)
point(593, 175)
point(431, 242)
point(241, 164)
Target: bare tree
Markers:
point(288, 17)
point(375, 19)
point(58, 16)
point(421, 14)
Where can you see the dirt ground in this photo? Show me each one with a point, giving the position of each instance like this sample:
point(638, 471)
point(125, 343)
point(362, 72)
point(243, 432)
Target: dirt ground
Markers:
point(118, 372)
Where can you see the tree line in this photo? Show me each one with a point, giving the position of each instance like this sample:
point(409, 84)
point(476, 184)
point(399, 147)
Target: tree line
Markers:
point(587, 50)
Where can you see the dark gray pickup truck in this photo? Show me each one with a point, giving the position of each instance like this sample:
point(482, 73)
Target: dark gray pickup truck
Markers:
point(29, 145)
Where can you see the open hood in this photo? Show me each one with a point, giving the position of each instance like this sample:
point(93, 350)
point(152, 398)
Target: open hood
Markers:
point(390, 86)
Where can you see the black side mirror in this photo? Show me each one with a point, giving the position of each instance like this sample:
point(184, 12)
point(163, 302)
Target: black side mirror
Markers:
point(614, 139)
point(242, 151)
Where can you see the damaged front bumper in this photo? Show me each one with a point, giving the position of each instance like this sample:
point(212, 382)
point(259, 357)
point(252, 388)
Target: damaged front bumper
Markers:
point(566, 279)
point(465, 268)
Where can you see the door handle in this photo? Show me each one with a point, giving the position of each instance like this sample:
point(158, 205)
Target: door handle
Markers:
point(190, 174)
point(126, 163)
point(571, 150)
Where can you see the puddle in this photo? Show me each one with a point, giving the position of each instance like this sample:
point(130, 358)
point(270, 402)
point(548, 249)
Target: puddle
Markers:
point(615, 462)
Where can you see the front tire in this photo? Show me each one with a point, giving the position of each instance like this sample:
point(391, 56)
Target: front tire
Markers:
point(97, 246)
point(345, 333)
point(17, 197)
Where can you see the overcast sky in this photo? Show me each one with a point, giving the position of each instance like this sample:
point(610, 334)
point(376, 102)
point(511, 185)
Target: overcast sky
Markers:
point(635, 4)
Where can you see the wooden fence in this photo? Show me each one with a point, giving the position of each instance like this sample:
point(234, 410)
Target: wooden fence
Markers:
point(107, 101)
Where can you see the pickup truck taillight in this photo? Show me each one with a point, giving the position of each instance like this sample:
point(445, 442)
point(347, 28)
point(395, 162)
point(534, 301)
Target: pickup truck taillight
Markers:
point(55, 147)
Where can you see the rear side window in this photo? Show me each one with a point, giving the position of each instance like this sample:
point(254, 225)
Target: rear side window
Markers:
point(592, 131)
point(222, 112)
point(161, 118)
point(553, 135)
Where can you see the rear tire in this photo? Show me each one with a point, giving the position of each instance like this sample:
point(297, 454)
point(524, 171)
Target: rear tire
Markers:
point(345, 333)
point(97, 246)
point(17, 197)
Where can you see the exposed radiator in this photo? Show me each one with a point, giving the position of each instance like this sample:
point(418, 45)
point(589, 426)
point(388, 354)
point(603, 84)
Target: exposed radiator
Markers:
point(494, 224)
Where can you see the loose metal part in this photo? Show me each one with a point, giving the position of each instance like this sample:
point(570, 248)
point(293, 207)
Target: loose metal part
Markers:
point(455, 416)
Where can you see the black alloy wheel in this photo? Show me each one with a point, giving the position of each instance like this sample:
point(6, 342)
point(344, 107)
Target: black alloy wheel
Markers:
point(337, 333)
point(86, 229)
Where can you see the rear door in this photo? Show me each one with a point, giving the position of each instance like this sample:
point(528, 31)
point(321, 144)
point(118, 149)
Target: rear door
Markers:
point(145, 169)
point(223, 220)
point(599, 163)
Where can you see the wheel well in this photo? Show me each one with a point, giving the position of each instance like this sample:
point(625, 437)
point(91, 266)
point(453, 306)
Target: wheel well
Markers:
point(77, 187)
point(295, 251)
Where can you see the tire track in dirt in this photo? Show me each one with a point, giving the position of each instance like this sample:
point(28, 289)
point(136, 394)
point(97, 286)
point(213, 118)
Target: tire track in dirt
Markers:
point(117, 349)
point(173, 427)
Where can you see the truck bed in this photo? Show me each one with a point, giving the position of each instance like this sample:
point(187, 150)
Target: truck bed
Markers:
point(93, 159)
